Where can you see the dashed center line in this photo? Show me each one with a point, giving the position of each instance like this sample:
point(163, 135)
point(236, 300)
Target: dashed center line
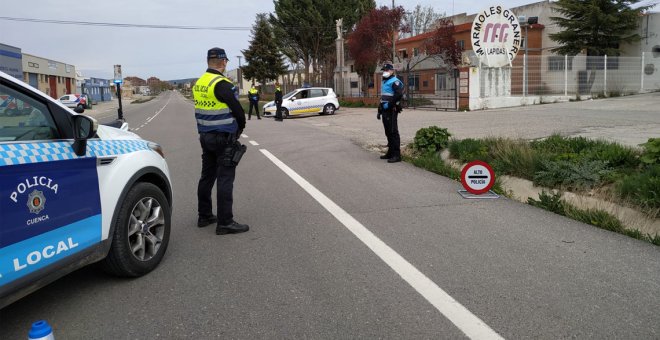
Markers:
point(254, 143)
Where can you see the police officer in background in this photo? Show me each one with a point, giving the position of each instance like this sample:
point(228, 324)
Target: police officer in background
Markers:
point(278, 102)
point(220, 121)
point(389, 109)
point(253, 96)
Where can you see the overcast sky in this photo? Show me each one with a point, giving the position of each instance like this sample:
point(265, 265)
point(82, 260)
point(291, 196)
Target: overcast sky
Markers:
point(145, 52)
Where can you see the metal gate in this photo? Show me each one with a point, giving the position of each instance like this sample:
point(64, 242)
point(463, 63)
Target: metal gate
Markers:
point(443, 96)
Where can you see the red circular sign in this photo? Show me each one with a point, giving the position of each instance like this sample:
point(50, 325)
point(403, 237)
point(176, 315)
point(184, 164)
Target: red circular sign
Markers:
point(477, 177)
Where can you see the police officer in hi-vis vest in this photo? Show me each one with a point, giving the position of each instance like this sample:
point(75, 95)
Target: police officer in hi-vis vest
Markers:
point(389, 109)
point(253, 96)
point(278, 102)
point(220, 121)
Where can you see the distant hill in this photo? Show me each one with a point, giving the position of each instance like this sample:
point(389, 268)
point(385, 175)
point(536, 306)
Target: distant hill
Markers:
point(181, 81)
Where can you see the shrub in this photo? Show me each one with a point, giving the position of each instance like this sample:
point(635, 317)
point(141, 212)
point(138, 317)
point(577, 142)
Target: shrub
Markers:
point(431, 139)
point(579, 174)
point(551, 202)
point(651, 154)
point(642, 189)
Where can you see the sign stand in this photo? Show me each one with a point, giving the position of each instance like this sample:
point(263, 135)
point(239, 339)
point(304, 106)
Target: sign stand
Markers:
point(477, 178)
point(468, 195)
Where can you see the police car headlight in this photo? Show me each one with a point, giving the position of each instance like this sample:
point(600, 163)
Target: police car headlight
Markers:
point(157, 148)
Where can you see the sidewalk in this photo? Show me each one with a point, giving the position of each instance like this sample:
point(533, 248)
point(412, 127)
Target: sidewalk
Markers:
point(629, 120)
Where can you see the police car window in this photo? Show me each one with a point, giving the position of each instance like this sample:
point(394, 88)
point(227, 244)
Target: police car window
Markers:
point(303, 94)
point(24, 118)
point(316, 93)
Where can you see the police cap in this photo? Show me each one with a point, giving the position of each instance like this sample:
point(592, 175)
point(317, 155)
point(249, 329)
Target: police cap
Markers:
point(387, 67)
point(216, 53)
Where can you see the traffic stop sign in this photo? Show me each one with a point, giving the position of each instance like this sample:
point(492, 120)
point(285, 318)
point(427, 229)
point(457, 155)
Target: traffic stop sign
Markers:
point(477, 177)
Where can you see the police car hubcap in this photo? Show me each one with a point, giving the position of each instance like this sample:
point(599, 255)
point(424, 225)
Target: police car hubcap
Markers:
point(146, 228)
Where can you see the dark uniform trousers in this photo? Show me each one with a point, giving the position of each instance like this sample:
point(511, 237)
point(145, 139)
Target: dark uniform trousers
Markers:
point(391, 125)
point(256, 108)
point(278, 109)
point(213, 152)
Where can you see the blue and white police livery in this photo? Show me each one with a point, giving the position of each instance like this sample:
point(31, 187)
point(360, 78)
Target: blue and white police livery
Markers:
point(73, 193)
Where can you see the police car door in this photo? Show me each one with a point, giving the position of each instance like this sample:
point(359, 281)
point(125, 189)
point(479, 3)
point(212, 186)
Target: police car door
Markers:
point(50, 210)
point(301, 104)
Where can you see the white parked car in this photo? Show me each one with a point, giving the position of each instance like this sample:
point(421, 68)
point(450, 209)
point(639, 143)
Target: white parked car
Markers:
point(73, 193)
point(322, 100)
point(73, 101)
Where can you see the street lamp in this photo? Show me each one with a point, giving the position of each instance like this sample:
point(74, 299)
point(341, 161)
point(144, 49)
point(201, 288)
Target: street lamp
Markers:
point(240, 79)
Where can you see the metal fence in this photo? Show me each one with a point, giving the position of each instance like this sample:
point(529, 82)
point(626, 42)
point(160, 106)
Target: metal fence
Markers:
point(577, 76)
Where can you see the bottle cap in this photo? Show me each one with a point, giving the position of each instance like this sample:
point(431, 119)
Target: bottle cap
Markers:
point(40, 329)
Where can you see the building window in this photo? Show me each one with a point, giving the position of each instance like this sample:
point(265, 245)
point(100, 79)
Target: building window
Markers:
point(425, 83)
point(354, 84)
point(413, 82)
point(415, 51)
point(352, 68)
point(461, 44)
point(557, 63)
point(403, 53)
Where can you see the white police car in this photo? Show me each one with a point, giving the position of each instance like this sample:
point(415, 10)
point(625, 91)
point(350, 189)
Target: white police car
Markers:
point(322, 100)
point(73, 193)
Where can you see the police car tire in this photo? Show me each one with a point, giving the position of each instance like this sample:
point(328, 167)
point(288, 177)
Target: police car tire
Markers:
point(285, 112)
point(328, 109)
point(120, 260)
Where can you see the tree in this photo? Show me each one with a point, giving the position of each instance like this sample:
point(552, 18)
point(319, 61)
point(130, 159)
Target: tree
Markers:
point(595, 26)
point(263, 58)
point(420, 20)
point(442, 46)
point(307, 28)
point(371, 41)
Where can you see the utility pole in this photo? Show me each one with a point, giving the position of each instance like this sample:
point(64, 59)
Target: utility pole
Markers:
point(239, 75)
point(340, 55)
point(393, 39)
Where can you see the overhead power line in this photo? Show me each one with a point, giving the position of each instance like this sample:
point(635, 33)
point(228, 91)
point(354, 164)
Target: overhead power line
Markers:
point(111, 24)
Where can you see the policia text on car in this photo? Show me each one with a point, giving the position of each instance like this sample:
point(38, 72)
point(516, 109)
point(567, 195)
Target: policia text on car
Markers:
point(220, 122)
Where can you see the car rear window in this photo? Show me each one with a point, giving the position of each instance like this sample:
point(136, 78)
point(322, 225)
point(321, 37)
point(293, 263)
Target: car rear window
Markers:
point(318, 93)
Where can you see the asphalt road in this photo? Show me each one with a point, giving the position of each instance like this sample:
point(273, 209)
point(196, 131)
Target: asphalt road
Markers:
point(344, 245)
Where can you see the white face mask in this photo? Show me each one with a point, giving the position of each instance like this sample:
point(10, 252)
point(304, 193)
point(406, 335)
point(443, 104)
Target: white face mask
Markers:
point(386, 74)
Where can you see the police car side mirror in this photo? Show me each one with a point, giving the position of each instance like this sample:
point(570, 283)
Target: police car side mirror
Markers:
point(292, 98)
point(84, 128)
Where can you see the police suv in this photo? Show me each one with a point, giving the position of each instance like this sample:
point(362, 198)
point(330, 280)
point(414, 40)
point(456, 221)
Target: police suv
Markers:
point(73, 193)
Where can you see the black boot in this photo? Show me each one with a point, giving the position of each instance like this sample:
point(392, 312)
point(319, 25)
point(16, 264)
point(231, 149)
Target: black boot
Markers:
point(388, 155)
point(395, 158)
point(204, 221)
point(231, 228)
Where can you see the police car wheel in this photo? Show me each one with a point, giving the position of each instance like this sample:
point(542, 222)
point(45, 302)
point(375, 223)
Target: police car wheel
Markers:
point(141, 232)
point(285, 113)
point(329, 109)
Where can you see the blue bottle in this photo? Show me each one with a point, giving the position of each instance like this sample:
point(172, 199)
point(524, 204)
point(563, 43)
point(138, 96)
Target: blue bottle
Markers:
point(41, 330)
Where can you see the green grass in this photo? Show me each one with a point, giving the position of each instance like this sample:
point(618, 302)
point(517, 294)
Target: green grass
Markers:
point(432, 162)
point(601, 219)
point(642, 189)
point(577, 164)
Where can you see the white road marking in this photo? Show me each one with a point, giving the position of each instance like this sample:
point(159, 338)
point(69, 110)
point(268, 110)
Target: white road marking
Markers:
point(460, 316)
point(254, 143)
point(244, 135)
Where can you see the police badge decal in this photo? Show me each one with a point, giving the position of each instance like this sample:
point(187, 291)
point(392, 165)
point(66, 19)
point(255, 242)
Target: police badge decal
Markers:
point(36, 201)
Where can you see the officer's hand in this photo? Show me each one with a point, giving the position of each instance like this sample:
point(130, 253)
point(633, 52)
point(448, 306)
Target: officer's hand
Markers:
point(386, 105)
point(378, 115)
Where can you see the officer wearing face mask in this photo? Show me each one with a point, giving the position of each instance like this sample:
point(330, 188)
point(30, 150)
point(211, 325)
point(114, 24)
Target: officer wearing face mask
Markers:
point(389, 109)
